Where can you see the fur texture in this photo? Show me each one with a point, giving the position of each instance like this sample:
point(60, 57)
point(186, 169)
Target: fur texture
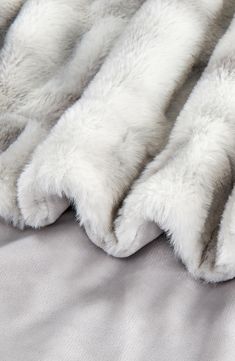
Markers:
point(185, 189)
point(8, 11)
point(52, 51)
point(100, 145)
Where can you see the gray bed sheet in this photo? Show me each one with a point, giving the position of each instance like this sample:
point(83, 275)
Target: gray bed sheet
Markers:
point(63, 299)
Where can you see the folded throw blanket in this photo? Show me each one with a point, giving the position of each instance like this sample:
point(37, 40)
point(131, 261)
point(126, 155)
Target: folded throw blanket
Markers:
point(107, 135)
point(101, 144)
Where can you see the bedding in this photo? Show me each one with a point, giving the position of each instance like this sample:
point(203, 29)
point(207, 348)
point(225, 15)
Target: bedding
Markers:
point(101, 143)
point(63, 299)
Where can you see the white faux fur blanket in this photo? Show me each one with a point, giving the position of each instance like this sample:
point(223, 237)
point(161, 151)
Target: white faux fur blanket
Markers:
point(86, 88)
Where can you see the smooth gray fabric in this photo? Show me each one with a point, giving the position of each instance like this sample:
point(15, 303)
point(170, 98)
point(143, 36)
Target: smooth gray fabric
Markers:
point(63, 299)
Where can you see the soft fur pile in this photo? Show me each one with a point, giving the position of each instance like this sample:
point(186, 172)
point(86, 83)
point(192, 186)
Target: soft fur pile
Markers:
point(86, 88)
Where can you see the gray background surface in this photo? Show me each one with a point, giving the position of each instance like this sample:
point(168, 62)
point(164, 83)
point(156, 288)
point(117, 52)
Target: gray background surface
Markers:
point(63, 299)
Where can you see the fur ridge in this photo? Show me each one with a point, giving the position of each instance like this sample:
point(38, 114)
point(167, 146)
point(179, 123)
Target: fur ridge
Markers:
point(186, 190)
